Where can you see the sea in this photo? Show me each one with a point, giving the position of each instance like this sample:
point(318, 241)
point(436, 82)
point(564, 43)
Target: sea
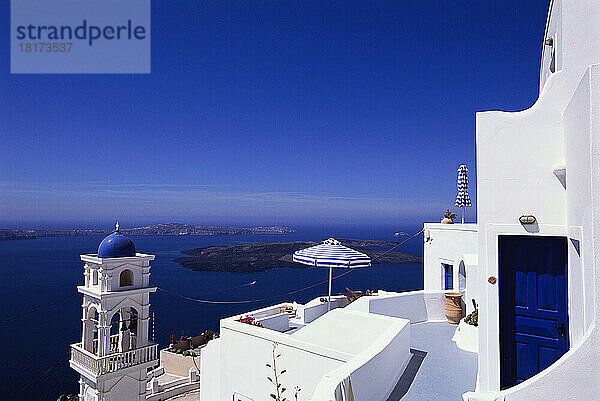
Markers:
point(34, 348)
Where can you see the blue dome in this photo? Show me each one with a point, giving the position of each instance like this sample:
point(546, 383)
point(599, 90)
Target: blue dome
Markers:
point(116, 245)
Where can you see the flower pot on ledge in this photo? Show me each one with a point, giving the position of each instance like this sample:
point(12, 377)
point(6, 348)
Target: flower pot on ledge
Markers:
point(446, 220)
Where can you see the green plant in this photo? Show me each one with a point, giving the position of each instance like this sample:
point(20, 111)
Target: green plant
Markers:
point(276, 379)
point(473, 317)
point(449, 215)
point(277, 395)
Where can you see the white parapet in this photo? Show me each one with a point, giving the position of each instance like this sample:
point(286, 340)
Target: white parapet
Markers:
point(374, 371)
point(416, 306)
point(365, 343)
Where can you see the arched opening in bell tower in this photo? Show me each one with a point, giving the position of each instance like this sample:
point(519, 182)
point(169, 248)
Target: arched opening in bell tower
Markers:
point(90, 331)
point(126, 278)
point(123, 330)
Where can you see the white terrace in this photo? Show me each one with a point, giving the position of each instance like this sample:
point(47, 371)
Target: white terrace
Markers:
point(388, 345)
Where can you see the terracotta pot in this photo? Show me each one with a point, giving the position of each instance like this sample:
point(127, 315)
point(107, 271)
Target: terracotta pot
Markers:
point(446, 220)
point(453, 308)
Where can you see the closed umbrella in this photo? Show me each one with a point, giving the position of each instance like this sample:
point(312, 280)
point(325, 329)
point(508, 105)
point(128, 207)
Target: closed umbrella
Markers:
point(331, 253)
point(462, 199)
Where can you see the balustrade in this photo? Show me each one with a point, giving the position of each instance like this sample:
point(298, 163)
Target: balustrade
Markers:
point(115, 360)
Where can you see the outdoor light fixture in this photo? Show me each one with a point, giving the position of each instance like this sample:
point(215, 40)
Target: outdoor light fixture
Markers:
point(549, 41)
point(527, 219)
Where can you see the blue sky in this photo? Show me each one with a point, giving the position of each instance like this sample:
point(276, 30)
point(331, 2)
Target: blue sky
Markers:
point(292, 112)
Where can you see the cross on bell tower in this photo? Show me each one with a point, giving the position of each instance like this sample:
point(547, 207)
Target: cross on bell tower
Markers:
point(115, 352)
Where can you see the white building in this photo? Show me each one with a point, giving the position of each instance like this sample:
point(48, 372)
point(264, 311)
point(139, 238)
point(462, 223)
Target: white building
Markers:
point(531, 263)
point(538, 337)
point(115, 353)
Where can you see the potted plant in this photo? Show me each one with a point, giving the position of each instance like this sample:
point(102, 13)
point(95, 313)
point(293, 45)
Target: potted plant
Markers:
point(448, 217)
point(466, 337)
point(473, 317)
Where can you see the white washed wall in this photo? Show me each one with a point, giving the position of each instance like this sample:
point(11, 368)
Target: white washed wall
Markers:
point(210, 359)
point(579, 134)
point(375, 371)
point(446, 243)
point(246, 350)
point(575, 376)
point(416, 306)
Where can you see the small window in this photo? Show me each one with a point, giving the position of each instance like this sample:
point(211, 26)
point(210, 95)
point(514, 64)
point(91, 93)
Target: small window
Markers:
point(95, 277)
point(448, 276)
point(126, 278)
point(553, 62)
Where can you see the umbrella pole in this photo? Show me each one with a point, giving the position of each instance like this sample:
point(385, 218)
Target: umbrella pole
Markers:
point(329, 296)
point(463, 217)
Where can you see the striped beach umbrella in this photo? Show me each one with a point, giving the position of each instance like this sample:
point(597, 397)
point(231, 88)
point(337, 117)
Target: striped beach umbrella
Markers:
point(462, 199)
point(331, 253)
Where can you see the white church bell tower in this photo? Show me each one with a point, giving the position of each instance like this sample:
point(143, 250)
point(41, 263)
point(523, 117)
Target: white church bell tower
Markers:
point(115, 353)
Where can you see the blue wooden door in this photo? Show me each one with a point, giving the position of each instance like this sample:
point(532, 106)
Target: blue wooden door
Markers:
point(534, 325)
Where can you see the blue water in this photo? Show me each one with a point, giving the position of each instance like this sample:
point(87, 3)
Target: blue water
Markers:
point(34, 350)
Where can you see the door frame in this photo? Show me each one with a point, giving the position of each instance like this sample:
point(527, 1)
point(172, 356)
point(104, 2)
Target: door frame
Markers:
point(447, 273)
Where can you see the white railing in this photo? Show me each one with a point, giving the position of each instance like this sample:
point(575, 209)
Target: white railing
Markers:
point(112, 362)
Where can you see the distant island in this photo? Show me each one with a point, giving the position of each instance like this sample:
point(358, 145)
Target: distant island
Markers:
point(271, 255)
point(155, 229)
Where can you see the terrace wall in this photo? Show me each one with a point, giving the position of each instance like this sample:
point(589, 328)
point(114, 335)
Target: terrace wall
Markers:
point(416, 306)
point(374, 372)
point(239, 360)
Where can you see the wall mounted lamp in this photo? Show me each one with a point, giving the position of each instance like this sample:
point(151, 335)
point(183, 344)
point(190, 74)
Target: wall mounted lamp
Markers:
point(527, 219)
